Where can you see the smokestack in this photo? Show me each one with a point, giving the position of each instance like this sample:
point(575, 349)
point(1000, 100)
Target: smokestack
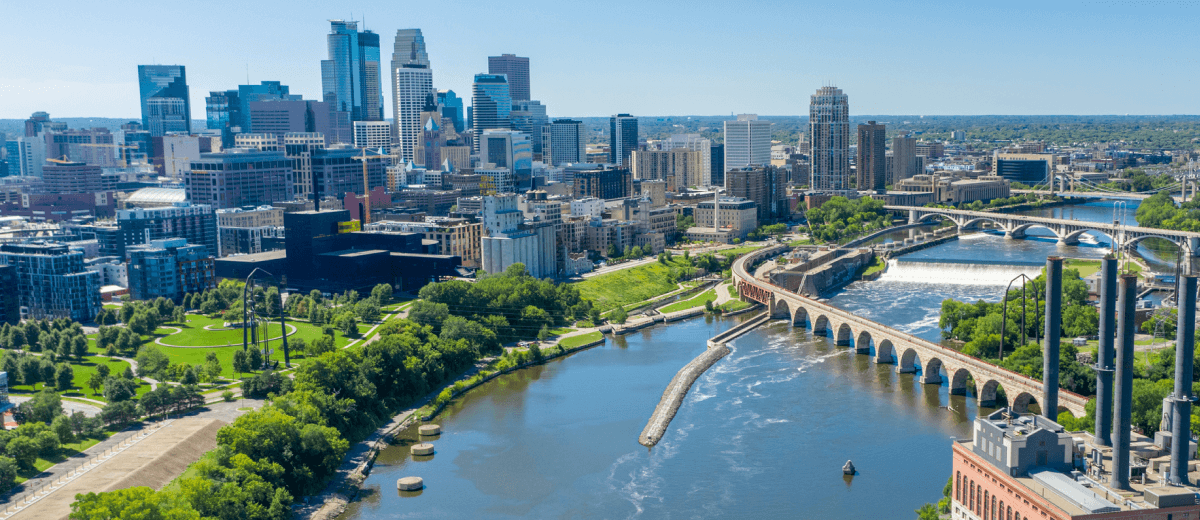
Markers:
point(1104, 358)
point(1122, 415)
point(1185, 346)
point(1053, 336)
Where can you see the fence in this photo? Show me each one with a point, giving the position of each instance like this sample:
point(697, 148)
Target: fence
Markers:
point(17, 504)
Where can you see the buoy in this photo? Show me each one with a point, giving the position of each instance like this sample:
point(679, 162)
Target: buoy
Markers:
point(430, 429)
point(410, 484)
point(422, 449)
point(848, 469)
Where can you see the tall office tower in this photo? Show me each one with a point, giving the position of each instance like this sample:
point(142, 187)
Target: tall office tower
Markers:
point(26, 156)
point(165, 104)
point(338, 170)
point(37, 123)
point(564, 141)
point(623, 138)
point(350, 77)
point(529, 117)
point(376, 135)
point(412, 82)
point(516, 69)
point(95, 146)
point(451, 107)
point(717, 164)
point(872, 156)
point(429, 153)
point(747, 142)
point(229, 111)
point(829, 133)
point(904, 158)
point(694, 143)
point(491, 105)
point(765, 185)
point(678, 167)
point(508, 149)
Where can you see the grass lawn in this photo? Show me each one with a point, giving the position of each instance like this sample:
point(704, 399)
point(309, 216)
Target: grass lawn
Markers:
point(733, 292)
point(738, 250)
point(561, 330)
point(876, 266)
point(65, 452)
point(798, 243)
point(83, 371)
point(735, 305)
point(582, 339)
point(698, 301)
point(627, 286)
point(1085, 267)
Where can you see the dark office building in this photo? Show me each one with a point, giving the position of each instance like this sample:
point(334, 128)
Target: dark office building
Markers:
point(606, 184)
point(336, 171)
point(1030, 169)
point(517, 70)
point(717, 162)
point(324, 253)
point(765, 185)
point(872, 156)
point(623, 138)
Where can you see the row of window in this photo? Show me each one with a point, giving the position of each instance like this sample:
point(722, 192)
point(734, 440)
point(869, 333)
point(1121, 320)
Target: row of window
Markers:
point(981, 502)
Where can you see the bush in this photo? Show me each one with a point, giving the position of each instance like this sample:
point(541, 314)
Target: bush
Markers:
point(444, 397)
point(23, 450)
point(227, 396)
point(8, 473)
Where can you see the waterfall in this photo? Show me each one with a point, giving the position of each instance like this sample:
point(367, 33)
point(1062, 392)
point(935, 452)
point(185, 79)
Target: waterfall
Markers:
point(973, 272)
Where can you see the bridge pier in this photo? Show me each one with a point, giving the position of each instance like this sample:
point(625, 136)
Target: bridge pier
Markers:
point(862, 349)
point(884, 360)
point(931, 379)
point(905, 370)
point(991, 403)
point(1068, 241)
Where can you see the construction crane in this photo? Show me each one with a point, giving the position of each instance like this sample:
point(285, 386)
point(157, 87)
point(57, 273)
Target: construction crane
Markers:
point(121, 160)
point(366, 216)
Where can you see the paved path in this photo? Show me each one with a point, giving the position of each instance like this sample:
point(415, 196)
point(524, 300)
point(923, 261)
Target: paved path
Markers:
point(159, 340)
point(68, 406)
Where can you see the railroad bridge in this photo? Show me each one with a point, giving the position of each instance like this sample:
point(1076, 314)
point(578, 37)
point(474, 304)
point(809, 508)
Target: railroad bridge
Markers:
point(1067, 231)
point(909, 353)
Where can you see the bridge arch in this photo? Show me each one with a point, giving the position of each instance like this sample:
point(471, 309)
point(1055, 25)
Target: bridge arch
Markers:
point(933, 371)
point(821, 325)
point(863, 342)
point(1183, 244)
point(974, 222)
point(929, 217)
point(885, 352)
point(782, 309)
point(958, 382)
point(1022, 402)
point(843, 335)
point(987, 395)
point(908, 361)
point(1073, 236)
point(1021, 229)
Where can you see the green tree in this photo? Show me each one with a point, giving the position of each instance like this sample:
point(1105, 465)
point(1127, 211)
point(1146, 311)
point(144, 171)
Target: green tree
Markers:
point(241, 362)
point(43, 407)
point(47, 442)
point(382, 293)
point(321, 345)
point(62, 428)
point(117, 389)
point(151, 361)
point(95, 382)
point(8, 473)
point(619, 315)
point(79, 347)
point(135, 503)
point(347, 324)
point(212, 365)
point(64, 376)
point(429, 313)
point(24, 450)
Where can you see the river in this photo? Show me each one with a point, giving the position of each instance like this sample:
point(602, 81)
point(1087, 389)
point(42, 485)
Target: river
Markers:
point(763, 434)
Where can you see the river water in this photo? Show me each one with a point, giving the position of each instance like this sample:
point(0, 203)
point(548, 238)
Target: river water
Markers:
point(763, 434)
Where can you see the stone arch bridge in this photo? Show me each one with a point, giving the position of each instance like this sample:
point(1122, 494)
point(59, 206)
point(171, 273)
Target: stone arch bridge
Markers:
point(887, 345)
point(1067, 231)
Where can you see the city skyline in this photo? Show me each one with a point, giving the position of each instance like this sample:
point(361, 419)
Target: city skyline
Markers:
point(761, 74)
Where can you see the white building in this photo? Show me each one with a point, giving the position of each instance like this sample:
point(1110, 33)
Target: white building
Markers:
point(412, 83)
point(375, 135)
point(564, 141)
point(829, 134)
point(747, 142)
point(590, 206)
point(507, 240)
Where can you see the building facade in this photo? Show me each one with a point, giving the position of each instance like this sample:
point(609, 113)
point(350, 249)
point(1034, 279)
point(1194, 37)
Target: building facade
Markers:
point(169, 268)
point(872, 156)
point(516, 68)
point(508, 240)
point(59, 176)
point(376, 135)
point(564, 141)
point(412, 84)
point(605, 183)
point(166, 105)
point(623, 138)
point(491, 104)
point(747, 142)
point(240, 177)
point(904, 158)
point(679, 167)
point(829, 135)
point(196, 223)
point(52, 281)
point(350, 78)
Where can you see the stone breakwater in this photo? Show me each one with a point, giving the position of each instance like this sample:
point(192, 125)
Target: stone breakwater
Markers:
point(678, 388)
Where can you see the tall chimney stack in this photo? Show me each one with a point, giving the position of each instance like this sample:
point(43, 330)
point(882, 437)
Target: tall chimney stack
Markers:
point(1122, 414)
point(1053, 336)
point(1185, 346)
point(1104, 358)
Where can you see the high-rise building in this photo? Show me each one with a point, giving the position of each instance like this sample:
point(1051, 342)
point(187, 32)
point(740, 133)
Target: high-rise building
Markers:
point(623, 138)
point(829, 133)
point(508, 149)
point(95, 146)
point(239, 177)
point(39, 122)
point(412, 83)
point(491, 105)
point(605, 183)
point(516, 69)
point(529, 117)
point(283, 116)
point(229, 111)
point(338, 170)
point(872, 156)
point(695, 143)
point(904, 158)
point(747, 142)
point(165, 103)
point(63, 176)
point(717, 164)
point(678, 167)
point(169, 268)
point(138, 144)
point(765, 185)
point(26, 156)
point(564, 141)
point(52, 281)
point(376, 135)
point(196, 223)
point(509, 240)
point(451, 107)
point(350, 78)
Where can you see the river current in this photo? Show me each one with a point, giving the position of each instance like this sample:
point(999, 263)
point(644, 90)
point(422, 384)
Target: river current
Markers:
point(763, 434)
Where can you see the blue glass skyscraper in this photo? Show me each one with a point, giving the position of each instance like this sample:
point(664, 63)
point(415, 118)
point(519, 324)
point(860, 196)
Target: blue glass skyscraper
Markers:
point(229, 111)
point(164, 95)
point(491, 104)
point(350, 77)
point(451, 107)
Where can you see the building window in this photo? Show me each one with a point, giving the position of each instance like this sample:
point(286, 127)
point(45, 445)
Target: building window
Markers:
point(986, 509)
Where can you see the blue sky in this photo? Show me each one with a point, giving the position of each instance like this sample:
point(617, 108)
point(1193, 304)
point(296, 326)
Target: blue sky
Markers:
point(78, 58)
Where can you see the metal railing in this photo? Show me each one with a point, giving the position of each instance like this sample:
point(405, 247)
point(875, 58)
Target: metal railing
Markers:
point(18, 504)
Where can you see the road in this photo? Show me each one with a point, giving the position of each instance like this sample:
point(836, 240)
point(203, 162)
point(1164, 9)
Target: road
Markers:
point(69, 407)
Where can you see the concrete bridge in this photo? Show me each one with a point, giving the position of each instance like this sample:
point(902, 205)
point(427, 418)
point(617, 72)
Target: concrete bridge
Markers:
point(884, 344)
point(1067, 231)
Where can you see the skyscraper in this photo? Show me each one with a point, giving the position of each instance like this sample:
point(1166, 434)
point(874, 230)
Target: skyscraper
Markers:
point(829, 133)
point(564, 141)
point(164, 94)
point(350, 77)
point(872, 156)
point(229, 111)
point(904, 158)
point(451, 107)
point(695, 143)
point(623, 138)
point(747, 142)
point(412, 83)
point(517, 70)
point(529, 117)
point(491, 104)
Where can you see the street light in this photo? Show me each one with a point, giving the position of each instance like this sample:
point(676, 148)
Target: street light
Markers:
point(247, 303)
point(1004, 315)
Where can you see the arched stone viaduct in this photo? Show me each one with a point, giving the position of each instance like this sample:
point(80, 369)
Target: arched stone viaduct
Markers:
point(1067, 231)
point(887, 345)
